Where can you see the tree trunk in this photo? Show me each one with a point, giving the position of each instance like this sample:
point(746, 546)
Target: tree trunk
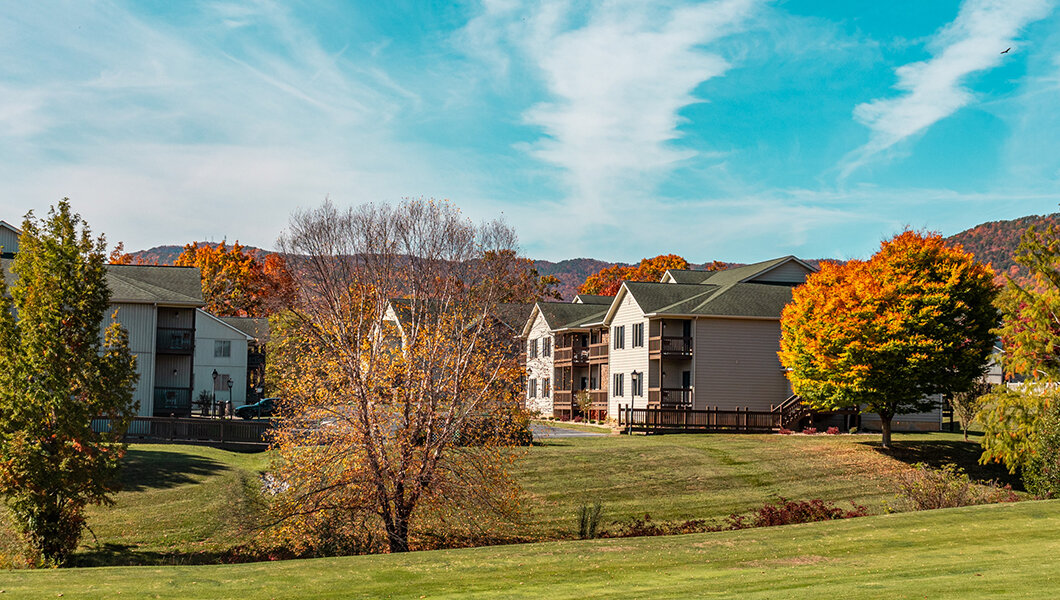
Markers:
point(965, 428)
point(885, 426)
point(397, 534)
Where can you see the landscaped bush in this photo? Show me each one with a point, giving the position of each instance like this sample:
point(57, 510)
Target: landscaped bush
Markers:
point(589, 521)
point(784, 431)
point(779, 512)
point(809, 431)
point(832, 431)
point(1041, 475)
point(925, 488)
point(788, 512)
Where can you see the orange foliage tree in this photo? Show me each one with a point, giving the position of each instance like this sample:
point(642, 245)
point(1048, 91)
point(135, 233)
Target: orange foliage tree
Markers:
point(884, 335)
point(401, 394)
point(609, 279)
point(239, 283)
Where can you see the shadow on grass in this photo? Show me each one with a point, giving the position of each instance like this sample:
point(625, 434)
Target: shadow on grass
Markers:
point(936, 453)
point(145, 469)
point(120, 555)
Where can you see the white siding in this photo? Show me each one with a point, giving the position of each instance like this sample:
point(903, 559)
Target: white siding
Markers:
point(208, 330)
point(628, 359)
point(789, 272)
point(540, 367)
point(736, 364)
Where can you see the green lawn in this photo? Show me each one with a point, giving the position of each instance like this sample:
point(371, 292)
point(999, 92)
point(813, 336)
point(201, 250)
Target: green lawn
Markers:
point(180, 504)
point(1009, 550)
point(679, 477)
point(193, 505)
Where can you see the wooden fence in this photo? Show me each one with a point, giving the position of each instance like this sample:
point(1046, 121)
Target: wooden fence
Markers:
point(250, 434)
point(710, 420)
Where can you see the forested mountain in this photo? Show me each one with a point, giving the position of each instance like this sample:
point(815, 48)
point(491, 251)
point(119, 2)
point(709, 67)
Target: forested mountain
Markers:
point(996, 242)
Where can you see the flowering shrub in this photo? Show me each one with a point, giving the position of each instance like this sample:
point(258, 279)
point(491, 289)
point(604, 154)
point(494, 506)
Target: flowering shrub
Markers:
point(784, 431)
point(810, 430)
point(832, 431)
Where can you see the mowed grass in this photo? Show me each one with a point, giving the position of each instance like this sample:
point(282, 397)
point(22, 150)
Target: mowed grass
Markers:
point(179, 504)
point(681, 477)
point(194, 505)
point(995, 551)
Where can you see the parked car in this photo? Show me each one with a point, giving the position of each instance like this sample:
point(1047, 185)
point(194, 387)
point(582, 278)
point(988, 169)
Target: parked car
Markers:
point(262, 408)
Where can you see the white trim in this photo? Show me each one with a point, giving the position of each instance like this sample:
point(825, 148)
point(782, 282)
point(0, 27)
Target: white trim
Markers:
point(199, 311)
point(788, 258)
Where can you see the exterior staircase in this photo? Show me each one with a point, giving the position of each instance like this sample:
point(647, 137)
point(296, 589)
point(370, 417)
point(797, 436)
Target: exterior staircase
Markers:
point(792, 411)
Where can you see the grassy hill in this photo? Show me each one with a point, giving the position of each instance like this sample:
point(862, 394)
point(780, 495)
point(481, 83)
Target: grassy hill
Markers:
point(996, 551)
point(193, 505)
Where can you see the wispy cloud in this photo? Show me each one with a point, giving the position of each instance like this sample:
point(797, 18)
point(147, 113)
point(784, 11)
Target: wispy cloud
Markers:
point(615, 75)
point(934, 89)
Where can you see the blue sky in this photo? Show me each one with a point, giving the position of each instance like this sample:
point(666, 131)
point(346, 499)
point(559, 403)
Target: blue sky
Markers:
point(734, 130)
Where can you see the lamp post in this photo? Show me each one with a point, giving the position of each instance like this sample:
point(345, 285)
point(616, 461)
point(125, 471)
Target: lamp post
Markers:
point(229, 393)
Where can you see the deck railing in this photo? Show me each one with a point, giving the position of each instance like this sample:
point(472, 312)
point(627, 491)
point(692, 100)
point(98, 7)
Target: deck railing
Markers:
point(670, 345)
point(710, 420)
point(223, 432)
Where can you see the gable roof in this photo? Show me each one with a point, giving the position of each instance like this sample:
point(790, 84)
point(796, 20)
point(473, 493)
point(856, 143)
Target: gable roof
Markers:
point(144, 284)
point(592, 299)
point(255, 327)
point(222, 322)
point(747, 300)
point(741, 274)
point(566, 315)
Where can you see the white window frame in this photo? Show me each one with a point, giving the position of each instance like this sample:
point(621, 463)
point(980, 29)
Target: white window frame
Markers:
point(222, 348)
point(618, 337)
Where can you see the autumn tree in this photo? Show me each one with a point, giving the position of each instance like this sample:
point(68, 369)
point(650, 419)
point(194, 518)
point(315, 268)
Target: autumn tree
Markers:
point(55, 378)
point(884, 335)
point(237, 282)
point(1030, 330)
point(609, 279)
point(966, 404)
point(118, 256)
point(401, 393)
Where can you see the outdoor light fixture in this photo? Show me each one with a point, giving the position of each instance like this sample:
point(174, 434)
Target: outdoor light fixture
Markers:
point(215, 374)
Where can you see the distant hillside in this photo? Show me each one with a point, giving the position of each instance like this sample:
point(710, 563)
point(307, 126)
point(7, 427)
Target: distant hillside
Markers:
point(996, 242)
point(571, 272)
point(167, 255)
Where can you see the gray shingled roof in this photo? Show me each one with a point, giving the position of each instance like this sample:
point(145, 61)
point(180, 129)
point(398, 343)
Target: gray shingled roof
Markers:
point(145, 284)
point(255, 327)
point(738, 274)
point(566, 315)
point(738, 299)
point(594, 299)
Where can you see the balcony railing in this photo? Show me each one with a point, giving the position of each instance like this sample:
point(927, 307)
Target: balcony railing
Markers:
point(562, 399)
point(172, 340)
point(172, 402)
point(598, 353)
point(672, 346)
point(670, 398)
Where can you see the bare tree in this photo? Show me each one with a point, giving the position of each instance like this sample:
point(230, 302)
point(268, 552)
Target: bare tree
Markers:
point(966, 404)
point(401, 396)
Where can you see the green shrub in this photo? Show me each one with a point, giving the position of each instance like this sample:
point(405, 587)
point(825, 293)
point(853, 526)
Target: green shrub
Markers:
point(1041, 475)
point(589, 521)
point(925, 488)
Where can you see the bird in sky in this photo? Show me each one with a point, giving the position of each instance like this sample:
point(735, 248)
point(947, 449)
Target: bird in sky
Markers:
point(1005, 51)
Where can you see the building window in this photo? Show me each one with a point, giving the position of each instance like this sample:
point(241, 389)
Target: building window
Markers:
point(220, 383)
point(533, 348)
point(546, 346)
point(545, 387)
point(222, 348)
point(636, 384)
point(619, 336)
point(532, 390)
point(638, 335)
point(617, 385)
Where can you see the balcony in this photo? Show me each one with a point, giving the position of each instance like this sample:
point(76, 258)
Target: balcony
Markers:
point(172, 340)
point(670, 398)
point(172, 402)
point(562, 399)
point(670, 346)
point(598, 354)
point(572, 356)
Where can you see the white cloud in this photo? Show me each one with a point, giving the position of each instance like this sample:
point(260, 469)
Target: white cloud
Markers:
point(934, 88)
point(616, 75)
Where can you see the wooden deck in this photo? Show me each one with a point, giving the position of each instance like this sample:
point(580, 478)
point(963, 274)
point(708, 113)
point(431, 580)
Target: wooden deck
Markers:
point(660, 420)
point(219, 433)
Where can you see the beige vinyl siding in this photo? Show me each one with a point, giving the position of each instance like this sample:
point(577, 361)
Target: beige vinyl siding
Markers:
point(789, 272)
point(144, 393)
point(208, 330)
point(736, 364)
point(628, 359)
point(540, 367)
